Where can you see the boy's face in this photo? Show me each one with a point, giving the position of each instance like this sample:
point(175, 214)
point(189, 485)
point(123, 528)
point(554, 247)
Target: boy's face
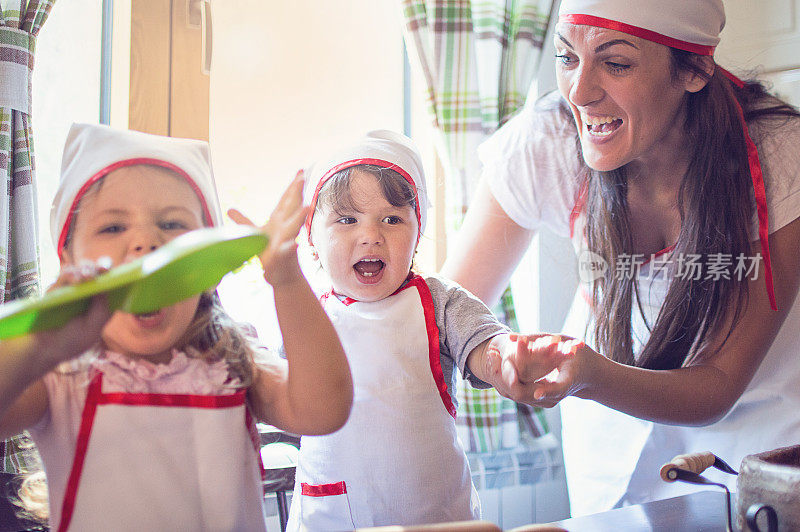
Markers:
point(133, 211)
point(367, 252)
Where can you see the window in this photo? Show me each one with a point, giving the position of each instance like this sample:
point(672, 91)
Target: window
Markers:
point(66, 89)
point(289, 81)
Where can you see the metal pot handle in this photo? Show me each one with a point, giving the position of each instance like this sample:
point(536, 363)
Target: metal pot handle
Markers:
point(752, 517)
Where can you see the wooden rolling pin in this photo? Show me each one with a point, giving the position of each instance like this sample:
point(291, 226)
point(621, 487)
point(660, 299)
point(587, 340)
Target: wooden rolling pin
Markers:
point(695, 463)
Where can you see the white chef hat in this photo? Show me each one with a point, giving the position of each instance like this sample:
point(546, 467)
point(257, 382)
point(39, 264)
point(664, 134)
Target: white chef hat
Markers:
point(92, 151)
point(691, 25)
point(380, 148)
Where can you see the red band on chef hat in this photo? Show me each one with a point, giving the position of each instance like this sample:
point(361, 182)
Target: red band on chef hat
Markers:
point(386, 149)
point(691, 25)
point(93, 151)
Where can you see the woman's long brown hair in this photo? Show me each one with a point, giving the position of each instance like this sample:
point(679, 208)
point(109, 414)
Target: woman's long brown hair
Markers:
point(716, 209)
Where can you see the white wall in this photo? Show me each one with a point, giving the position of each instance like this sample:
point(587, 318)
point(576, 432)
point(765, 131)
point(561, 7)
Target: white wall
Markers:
point(763, 38)
point(289, 81)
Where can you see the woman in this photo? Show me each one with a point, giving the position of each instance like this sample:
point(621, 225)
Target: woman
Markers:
point(676, 177)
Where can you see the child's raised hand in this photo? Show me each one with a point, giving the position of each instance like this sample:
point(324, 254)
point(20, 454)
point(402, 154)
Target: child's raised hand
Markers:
point(279, 260)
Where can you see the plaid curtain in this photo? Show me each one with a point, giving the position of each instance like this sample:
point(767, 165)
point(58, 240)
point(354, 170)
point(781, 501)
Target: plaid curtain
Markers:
point(20, 22)
point(478, 59)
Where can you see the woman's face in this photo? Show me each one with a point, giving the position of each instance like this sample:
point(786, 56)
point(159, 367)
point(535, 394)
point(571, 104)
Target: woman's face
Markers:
point(133, 211)
point(625, 103)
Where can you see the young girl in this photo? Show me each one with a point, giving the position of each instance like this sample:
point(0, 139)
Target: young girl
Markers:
point(397, 460)
point(152, 429)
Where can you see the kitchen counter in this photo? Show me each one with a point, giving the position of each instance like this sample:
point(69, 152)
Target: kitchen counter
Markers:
point(701, 511)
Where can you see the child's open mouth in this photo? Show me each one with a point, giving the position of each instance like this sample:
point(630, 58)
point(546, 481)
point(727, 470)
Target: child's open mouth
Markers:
point(369, 270)
point(151, 319)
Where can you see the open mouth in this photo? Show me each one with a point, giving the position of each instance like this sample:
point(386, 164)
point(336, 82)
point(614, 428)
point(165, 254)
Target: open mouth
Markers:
point(601, 126)
point(369, 270)
point(150, 319)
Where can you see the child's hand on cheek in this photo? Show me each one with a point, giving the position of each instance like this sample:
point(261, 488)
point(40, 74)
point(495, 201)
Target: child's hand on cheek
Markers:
point(279, 260)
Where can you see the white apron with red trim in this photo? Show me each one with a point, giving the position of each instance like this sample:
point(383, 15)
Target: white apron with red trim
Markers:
point(397, 461)
point(612, 459)
point(163, 462)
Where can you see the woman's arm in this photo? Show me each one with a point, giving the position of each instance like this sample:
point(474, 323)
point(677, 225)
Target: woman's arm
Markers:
point(25, 360)
point(313, 392)
point(703, 392)
point(487, 249)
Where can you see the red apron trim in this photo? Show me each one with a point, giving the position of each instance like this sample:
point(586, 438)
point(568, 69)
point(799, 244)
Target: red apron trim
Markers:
point(433, 341)
point(323, 490)
point(668, 249)
point(87, 419)
point(344, 300)
point(587, 296)
point(348, 301)
point(95, 397)
point(255, 439)
point(355, 162)
point(600, 22)
point(580, 201)
point(179, 400)
point(62, 239)
point(759, 191)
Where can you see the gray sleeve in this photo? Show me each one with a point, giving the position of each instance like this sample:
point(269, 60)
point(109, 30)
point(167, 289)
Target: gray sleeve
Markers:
point(464, 322)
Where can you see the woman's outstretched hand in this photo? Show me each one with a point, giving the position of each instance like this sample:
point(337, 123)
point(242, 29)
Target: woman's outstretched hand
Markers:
point(536, 369)
point(279, 260)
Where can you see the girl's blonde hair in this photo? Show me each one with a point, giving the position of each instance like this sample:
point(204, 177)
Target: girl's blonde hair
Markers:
point(32, 497)
point(213, 335)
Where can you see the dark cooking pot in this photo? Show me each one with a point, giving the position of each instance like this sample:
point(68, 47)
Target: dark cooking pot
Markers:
point(768, 491)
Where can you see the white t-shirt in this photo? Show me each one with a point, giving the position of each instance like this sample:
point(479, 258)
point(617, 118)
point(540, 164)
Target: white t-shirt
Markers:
point(532, 168)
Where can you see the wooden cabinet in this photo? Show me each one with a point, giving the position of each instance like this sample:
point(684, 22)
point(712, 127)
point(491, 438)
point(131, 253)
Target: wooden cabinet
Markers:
point(170, 58)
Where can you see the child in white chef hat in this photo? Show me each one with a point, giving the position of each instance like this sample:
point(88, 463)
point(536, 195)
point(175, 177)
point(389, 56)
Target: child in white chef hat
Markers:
point(155, 431)
point(397, 460)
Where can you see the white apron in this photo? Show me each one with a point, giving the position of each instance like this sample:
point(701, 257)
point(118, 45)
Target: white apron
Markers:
point(397, 461)
point(612, 459)
point(161, 462)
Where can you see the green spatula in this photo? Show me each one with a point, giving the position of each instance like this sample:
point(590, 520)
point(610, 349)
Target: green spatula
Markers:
point(184, 267)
